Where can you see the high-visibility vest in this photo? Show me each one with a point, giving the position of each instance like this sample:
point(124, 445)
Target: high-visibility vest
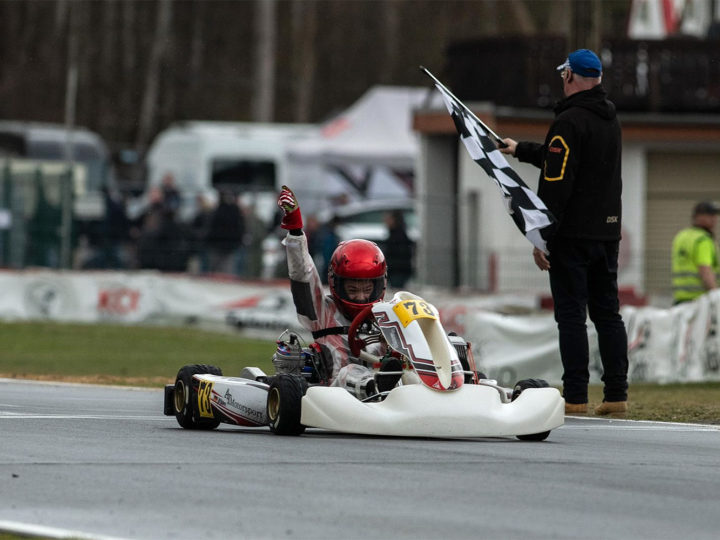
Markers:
point(692, 247)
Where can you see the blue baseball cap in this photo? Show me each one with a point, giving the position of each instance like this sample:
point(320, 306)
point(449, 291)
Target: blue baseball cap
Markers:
point(584, 62)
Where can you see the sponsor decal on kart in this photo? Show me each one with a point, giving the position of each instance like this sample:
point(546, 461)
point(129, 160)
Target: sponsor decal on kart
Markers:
point(204, 396)
point(411, 310)
point(227, 402)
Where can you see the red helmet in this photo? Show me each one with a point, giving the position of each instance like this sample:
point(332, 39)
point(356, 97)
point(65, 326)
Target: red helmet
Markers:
point(356, 260)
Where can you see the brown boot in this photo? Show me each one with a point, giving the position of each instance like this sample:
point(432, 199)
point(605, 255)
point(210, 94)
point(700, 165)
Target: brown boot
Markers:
point(610, 407)
point(575, 408)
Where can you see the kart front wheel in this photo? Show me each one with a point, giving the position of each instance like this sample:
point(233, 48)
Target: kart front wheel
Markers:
point(517, 390)
point(283, 404)
point(185, 397)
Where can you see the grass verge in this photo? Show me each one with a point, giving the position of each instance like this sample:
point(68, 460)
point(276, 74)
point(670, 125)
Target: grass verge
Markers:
point(113, 354)
point(151, 356)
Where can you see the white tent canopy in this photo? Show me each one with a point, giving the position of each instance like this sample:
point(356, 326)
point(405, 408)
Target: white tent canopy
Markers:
point(376, 129)
point(367, 151)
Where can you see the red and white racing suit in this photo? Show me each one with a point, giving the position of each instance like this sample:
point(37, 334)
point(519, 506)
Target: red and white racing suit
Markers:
point(317, 311)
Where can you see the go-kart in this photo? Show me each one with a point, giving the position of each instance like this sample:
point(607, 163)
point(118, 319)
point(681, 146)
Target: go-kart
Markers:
point(427, 386)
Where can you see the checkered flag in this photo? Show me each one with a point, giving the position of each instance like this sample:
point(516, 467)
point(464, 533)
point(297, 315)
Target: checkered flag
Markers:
point(528, 212)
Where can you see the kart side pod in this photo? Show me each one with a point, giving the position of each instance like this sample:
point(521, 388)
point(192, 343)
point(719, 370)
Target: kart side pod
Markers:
point(201, 400)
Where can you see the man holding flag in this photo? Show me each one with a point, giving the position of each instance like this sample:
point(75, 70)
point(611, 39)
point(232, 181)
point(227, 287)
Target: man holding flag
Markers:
point(580, 184)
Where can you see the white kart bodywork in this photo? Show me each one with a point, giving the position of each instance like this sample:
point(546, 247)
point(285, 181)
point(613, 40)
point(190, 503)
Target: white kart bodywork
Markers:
point(442, 406)
point(241, 400)
point(418, 411)
point(431, 400)
point(412, 410)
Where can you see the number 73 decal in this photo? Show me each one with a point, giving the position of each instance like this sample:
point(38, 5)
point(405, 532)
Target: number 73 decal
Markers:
point(411, 310)
point(205, 399)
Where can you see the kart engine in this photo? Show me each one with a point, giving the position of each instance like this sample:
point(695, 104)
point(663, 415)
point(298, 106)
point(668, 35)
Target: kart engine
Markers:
point(289, 356)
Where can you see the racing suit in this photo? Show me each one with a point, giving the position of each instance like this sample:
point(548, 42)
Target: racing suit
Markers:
point(317, 312)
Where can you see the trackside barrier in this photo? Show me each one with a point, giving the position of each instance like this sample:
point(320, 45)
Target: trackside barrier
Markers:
point(511, 338)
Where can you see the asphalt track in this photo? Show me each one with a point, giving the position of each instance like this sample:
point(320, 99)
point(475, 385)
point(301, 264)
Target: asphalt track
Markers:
point(104, 462)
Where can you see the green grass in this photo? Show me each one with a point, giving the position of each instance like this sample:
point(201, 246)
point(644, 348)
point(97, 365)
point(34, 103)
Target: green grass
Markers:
point(151, 356)
point(121, 354)
point(9, 536)
point(676, 402)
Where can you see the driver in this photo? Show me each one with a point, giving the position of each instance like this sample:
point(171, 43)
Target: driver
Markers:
point(357, 277)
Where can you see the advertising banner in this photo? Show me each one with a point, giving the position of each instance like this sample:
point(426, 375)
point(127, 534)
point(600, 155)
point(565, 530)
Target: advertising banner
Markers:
point(511, 339)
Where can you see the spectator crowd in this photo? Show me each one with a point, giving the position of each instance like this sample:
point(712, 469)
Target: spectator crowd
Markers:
point(226, 235)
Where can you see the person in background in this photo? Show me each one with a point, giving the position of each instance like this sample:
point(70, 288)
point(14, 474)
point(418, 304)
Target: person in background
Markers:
point(225, 234)
point(163, 243)
point(399, 249)
point(115, 234)
point(199, 228)
point(328, 242)
point(695, 266)
point(170, 194)
point(313, 231)
point(581, 184)
point(255, 233)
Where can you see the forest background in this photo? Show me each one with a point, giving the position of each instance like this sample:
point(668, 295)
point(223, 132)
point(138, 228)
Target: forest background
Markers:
point(129, 68)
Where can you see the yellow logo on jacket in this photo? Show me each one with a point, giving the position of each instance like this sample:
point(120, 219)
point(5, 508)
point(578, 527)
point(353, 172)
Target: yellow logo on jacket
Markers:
point(556, 159)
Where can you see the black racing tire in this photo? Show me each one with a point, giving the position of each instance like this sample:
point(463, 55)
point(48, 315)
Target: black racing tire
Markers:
point(185, 397)
point(284, 403)
point(517, 390)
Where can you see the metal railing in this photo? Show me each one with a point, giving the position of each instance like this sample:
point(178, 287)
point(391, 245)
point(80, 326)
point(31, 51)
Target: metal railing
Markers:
point(36, 212)
point(679, 75)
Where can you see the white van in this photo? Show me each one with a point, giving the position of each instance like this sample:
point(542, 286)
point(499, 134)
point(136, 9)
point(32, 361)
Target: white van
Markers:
point(249, 158)
point(38, 141)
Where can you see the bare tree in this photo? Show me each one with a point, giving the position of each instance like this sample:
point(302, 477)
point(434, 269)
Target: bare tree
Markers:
point(586, 24)
point(107, 70)
point(61, 14)
point(304, 29)
point(391, 30)
point(560, 15)
point(148, 109)
point(263, 102)
point(128, 37)
point(488, 23)
point(197, 45)
point(524, 21)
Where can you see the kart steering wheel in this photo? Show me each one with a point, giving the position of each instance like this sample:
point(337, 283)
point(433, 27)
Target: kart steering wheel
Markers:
point(356, 343)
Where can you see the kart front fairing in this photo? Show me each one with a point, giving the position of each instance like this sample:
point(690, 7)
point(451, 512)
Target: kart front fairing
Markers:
point(415, 410)
point(412, 328)
point(442, 406)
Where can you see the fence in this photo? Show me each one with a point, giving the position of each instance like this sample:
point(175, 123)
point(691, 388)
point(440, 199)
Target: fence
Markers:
point(38, 229)
point(36, 212)
point(678, 75)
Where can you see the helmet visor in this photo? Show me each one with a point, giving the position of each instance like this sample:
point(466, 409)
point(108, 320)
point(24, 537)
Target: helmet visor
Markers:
point(360, 291)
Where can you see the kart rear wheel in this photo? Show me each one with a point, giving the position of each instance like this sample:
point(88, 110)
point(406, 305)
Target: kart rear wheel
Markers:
point(185, 398)
point(517, 390)
point(284, 402)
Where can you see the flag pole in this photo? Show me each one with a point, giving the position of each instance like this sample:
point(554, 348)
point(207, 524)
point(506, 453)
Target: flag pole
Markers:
point(498, 140)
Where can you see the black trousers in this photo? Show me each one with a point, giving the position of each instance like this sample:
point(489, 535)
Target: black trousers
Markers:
point(583, 280)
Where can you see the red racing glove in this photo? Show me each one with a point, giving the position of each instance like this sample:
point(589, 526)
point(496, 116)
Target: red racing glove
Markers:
point(292, 219)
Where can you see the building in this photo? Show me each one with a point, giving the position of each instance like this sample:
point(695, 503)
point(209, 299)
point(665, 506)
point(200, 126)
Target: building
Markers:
point(670, 161)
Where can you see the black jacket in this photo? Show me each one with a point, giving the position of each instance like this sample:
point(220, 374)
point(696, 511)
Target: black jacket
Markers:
point(581, 159)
